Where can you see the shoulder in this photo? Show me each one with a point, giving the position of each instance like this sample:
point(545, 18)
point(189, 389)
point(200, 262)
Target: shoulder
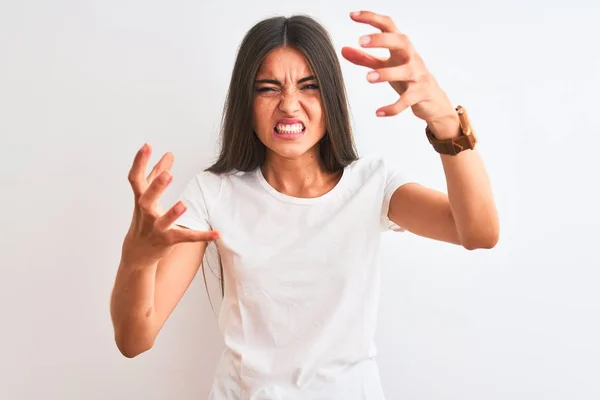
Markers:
point(212, 184)
point(207, 179)
point(372, 165)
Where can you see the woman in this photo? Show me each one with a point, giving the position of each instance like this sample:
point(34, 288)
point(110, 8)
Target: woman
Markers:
point(296, 216)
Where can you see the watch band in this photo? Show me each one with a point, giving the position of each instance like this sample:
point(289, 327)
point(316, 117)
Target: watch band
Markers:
point(453, 146)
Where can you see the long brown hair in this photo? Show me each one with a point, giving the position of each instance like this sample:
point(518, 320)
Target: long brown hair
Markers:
point(241, 150)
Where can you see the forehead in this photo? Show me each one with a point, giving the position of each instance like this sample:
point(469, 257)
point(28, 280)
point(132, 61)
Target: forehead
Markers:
point(285, 62)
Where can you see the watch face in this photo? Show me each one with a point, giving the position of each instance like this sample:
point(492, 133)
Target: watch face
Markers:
point(465, 123)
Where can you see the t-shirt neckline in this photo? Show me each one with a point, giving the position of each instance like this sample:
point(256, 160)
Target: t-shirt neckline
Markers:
point(298, 200)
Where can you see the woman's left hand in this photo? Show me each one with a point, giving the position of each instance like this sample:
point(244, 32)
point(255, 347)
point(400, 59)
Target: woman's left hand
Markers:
point(404, 70)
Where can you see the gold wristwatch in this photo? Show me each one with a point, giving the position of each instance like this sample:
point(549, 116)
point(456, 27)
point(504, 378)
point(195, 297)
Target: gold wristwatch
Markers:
point(466, 140)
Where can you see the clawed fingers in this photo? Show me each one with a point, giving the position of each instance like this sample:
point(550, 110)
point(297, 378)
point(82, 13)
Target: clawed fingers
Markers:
point(150, 196)
point(138, 168)
point(383, 22)
point(136, 177)
point(174, 236)
point(164, 164)
point(409, 98)
point(404, 73)
point(399, 45)
point(165, 221)
point(362, 58)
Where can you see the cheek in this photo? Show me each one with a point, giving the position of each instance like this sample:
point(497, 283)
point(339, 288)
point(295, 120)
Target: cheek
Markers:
point(258, 112)
point(262, 111)
point(314, 108)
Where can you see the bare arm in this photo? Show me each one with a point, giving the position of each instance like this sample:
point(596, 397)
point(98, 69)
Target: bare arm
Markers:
point(144, 296)
point(158, 261)
point(466, 215)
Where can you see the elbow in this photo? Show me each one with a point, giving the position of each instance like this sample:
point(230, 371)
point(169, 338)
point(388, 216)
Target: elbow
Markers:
point(132, 352)
point(131, 347)
point(487, 239)
point(480, 244)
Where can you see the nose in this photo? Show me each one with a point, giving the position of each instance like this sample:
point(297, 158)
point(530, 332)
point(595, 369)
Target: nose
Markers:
point(289, 103)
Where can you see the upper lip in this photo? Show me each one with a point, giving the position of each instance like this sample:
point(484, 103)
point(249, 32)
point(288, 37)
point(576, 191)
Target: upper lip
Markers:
point(289, 121)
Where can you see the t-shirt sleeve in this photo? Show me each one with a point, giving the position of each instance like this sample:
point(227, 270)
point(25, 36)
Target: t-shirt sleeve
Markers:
point(394, 178)
point(194, 197)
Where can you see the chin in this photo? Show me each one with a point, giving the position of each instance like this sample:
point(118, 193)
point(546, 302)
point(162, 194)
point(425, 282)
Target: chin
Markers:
point(292, 151)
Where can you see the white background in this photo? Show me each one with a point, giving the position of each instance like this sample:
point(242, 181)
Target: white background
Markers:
point(83, 84)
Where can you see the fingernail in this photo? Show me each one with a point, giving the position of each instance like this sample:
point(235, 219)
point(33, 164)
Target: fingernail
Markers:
point(365, 40)
point(381, 113)
point(355, 13)
point(164, 177)
point(372, 76)
point(179, 208)
point(216, 235)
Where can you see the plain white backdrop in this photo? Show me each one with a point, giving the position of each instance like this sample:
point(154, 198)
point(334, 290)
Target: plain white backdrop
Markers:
point(83, 84)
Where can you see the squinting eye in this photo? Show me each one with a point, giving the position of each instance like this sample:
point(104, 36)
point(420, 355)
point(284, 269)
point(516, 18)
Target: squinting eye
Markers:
point(313, 86)
point(265, 89)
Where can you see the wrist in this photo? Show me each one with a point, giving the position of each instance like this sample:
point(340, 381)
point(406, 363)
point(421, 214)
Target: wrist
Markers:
point(134, 262)
point(446, 127)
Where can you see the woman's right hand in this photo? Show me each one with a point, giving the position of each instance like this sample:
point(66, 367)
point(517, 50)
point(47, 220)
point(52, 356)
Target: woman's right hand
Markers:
point(152, 234)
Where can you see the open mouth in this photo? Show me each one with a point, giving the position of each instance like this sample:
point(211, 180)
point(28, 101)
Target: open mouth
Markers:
point(289, 129)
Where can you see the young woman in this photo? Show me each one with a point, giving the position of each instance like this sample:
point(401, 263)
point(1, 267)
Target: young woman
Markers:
point(297, 216)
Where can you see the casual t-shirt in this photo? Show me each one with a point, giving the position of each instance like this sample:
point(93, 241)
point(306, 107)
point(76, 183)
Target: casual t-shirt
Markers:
point(301, 282)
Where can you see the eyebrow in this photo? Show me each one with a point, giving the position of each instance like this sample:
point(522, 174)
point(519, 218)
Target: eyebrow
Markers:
point(278, 83)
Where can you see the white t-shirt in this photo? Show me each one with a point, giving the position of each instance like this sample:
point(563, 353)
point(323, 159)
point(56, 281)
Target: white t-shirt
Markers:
point(301, 282)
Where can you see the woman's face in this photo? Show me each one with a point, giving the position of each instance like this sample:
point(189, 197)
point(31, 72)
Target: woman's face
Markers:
point(287, 111)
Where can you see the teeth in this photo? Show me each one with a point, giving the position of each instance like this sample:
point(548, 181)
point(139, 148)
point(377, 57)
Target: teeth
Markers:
point(295, 128)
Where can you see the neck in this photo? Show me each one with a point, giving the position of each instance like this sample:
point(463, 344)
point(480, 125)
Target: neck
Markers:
point(302, 177)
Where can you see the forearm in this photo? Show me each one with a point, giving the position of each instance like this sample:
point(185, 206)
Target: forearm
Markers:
point(469, 193)
point(132, 308)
